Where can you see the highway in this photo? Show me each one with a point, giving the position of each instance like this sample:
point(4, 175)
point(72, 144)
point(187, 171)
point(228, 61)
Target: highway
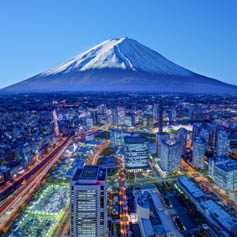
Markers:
point(10, 209)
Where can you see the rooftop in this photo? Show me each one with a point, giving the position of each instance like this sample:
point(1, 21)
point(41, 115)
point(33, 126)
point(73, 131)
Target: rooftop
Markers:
point(191, 187)
point(135, 139)
point(90, 173)
point(228, 166)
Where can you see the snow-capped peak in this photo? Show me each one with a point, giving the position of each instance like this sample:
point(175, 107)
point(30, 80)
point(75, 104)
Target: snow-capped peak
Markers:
point(120, 53)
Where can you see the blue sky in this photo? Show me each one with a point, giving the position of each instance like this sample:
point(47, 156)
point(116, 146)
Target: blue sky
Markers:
point(37, 35)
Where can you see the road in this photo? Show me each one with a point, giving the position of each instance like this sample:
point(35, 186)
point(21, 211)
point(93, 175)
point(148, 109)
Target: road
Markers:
point(123, 206)
point(14, 205)
point(200, 178)
point(92, 160)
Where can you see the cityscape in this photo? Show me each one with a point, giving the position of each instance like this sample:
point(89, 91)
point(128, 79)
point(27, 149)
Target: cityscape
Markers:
point(118, 118)
point(117, 164)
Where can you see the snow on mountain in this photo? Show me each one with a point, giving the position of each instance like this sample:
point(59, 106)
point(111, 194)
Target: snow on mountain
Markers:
point(120, 53)
point(121, 64)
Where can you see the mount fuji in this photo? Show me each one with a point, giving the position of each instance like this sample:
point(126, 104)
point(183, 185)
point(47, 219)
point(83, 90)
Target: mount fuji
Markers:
point(121, 64)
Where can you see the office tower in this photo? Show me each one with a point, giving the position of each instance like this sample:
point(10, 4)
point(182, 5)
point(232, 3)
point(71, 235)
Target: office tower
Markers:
point(94, 116)
point(190, 111)
point(56, 128)
point(198, 153)
point(225, 175)
point(116, 137)
point(196, 130)
point(121, 115)
point(204, 133)
point(88, 202)
point(155, 111)
point(115, 117)
point(159, 138)
point(213, 135)
point(170, 158)
point(160, 116)
point(223, 144)
point(89, 123)
point(216, 160)
point(136, 152)
point(128, 120)
point(148, 121)
point(181, 136)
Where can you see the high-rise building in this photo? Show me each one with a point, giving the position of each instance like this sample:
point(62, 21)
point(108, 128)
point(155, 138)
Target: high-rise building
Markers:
point(213, 135)
point(116, 137)
point(216, 160)
point(148, 121)
point(88, 202)
point(115, 117)
point(196, 130)
point(223, 144)
point(204, 133)
point(225, 175)
point(136, 152)
point(181, 136)
point(89, 123)
point(170, 158)
point(94, 116)
point(121, 115)
point(159, 138)
point(155, 111)
point(198, 153)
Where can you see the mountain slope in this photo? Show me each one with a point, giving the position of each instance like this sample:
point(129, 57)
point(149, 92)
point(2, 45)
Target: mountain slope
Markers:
point(121, 65)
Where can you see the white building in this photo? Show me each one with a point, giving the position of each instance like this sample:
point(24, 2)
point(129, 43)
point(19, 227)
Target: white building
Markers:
point(88, 202)
point(116, 137)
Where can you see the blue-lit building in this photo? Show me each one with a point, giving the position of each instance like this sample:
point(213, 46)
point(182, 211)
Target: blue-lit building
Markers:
point(136, 152)
point(198, 153)
point(225, 175)
point(170, 158)
point(88, 202)
point(223, 144)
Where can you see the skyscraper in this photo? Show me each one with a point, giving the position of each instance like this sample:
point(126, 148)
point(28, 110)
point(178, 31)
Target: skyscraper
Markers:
point(160, 136)
point(116, 137)
point(196, 130)
point(94, 116)
point(181, 136)
point(88, 202)
point(198, 153)
point(205, 135)
point(136, 152)
point(170, 158)
point(223, 144)
point(213, 135)
point(115, 117)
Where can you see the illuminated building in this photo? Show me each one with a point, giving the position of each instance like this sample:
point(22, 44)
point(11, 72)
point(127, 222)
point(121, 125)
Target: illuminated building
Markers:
point(136, 152)
point(88, 202)
point(198, 153)
point(116, 137)
point(223, 144)
point(170, 158)
point(115, 117)
point(181, 136)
